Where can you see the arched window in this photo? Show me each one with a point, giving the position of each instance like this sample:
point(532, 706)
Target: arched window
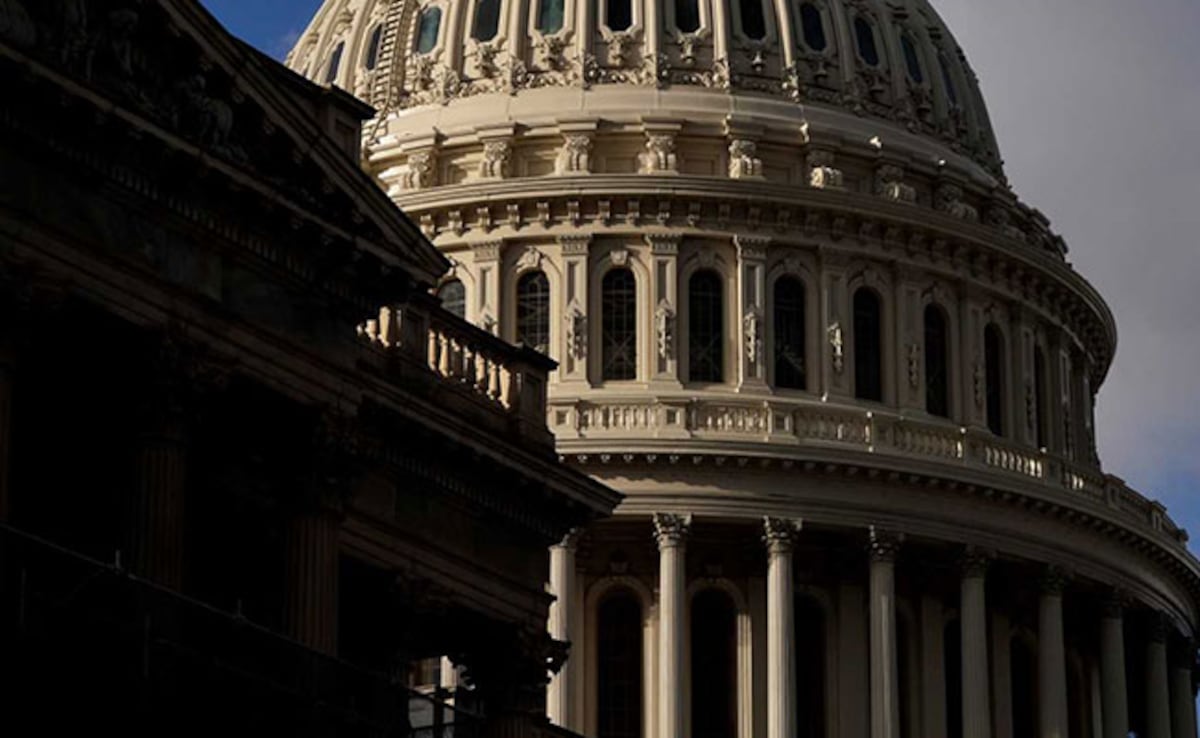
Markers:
point(948, 80)
point(335, 63)
point(937, 362)
point(714, 665)
point(533, 311)
point(1039, 396)
point(1023, 665)
point(487, 20)
point(550, 16)
point(428, 29)
point(864, 34)
point(619, 665)
point(754, 21)
point(373, 46)
point(454, 297)
point(618, 15)
point(952, 668)
point(812, 27)
point(868, 346)
point(911, 59)
point(706, 337)
point(993, 360)
point(789, 334)
point(810, 668)
point(618, 319)
point(687, 15)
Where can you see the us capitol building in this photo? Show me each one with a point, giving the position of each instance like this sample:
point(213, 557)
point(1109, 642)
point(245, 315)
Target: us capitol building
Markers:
point(843, 375)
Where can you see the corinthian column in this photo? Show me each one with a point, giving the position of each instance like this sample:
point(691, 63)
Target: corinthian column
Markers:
point(885, 689)
point(671, 533)
point(1158, 701)
point(976, 714)
point(310, 587)
point(780, 534)
point(1052, 658)
point(562, 612)
point(1114, 706)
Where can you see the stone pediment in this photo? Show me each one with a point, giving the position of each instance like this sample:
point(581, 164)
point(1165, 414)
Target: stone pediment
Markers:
point(176, 71)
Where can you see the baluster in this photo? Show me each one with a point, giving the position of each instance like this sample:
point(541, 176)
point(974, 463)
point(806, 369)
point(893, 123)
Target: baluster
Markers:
point(481, 373)
point(433, 359)
point(444, 363)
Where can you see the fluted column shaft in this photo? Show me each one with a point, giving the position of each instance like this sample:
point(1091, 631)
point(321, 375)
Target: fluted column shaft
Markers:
point(1052, 659)
point(1158, 701)
point(156, 542)
point(562, 612)
point(976, 715)
point(933, 668)
point(885, 689)
point(1183, 701)
point(781, 628)
point(1114, 703)
point(671, 533)
point(311, 578)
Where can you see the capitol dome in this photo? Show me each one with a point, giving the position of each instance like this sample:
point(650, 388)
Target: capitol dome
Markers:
point(794, 300)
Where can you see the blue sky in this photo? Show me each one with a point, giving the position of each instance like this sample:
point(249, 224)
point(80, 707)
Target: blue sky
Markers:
point(1094, 104)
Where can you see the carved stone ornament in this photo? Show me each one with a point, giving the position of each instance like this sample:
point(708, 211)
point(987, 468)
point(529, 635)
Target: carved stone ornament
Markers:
point(575, 156)
point(889, 184)
point(530, 260)
point(664, 330)
point(496, 155)
point(780, 533)
point(743, 159)
point(619, 257)
point(914, 365)
point(659, 155)
point(1053, 581)
point(974, 562)
point(751, 324)
point(949, 199)
point(671, 530)
point(821, 173)
point(977, 378)
point(838, 345)
point(884, 545)
point(576, 329)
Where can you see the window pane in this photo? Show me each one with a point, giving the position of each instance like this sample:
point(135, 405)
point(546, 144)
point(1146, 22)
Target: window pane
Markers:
point(619, 667)
point(687, 15)
point(911, 60)
point(706, 356)
point(993, 350)
point(427, 31)
point(454, 298)
point(550, 16)
point(373, 47)
point(868, 346)
point(813, 27)
point(335, 62)
point(937, 363)
point(487, 20)
point(754, 23)
point(618, 317)
point(865, 35)
point(533, 311)
point(789, 334)
point(619, 15)
point(714, 658)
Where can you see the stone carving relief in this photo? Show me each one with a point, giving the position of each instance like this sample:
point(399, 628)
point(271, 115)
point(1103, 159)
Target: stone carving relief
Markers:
point(418, 173)
point(889, 184)
point(619, 257)
point(914, 365)
point(576, 330)
point(743, 160)
point(838, 345)
point(664, 325)
point(821, 172)
point(575, 156)
point(659, 154)
point(752, 327)
point(496, 156)
point(949, 199)
point(530, 260)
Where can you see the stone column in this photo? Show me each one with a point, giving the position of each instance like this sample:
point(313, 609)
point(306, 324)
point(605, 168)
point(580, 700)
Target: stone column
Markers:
point(976, 712)
point(885, 689)
point(1052, 658)
point(1183, 701)
point(1158, 701)
point(779, 535)
point(933, 668)
point(1002, 708)
point(311, 580)
point(1113, 703)
point(561, 689)
point(671, 533)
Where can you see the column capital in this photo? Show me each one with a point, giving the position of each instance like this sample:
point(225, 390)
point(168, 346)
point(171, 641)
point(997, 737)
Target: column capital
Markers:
point(974, 561)
point(884, 544)
point(671, 530)
point(571, 539)
point(1113, 604)
point(1157, 627)
point(780, 533)
point(1053, 580)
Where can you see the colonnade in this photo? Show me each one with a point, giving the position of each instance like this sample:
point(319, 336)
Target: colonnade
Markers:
point(986, 710)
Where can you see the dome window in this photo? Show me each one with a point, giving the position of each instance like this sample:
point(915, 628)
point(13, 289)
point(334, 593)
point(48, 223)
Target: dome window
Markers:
point(754, 21)
point(812, 26)
point(618, 14)
point(864, 34)
point(993, 359)
point(373, 47)
point(487, 20)
point(428, 29)
point(454, 297)
point(911, 59)
point(618, 325)
point(533, 311)
point(335, 63)
point(687, 15)
point(868, 346)
point(706, 337)
point(948, 80)
point(789, 334)
point(937, 362)
point(550, 17)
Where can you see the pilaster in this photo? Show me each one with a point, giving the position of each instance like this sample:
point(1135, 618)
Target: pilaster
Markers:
point(574, 309)
point(664, 255)
point(835, 325)
point(486, 313)
point(751, 287)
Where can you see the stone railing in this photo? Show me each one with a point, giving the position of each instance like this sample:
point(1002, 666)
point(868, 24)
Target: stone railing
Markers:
point(778, 424)
point(471, 364)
